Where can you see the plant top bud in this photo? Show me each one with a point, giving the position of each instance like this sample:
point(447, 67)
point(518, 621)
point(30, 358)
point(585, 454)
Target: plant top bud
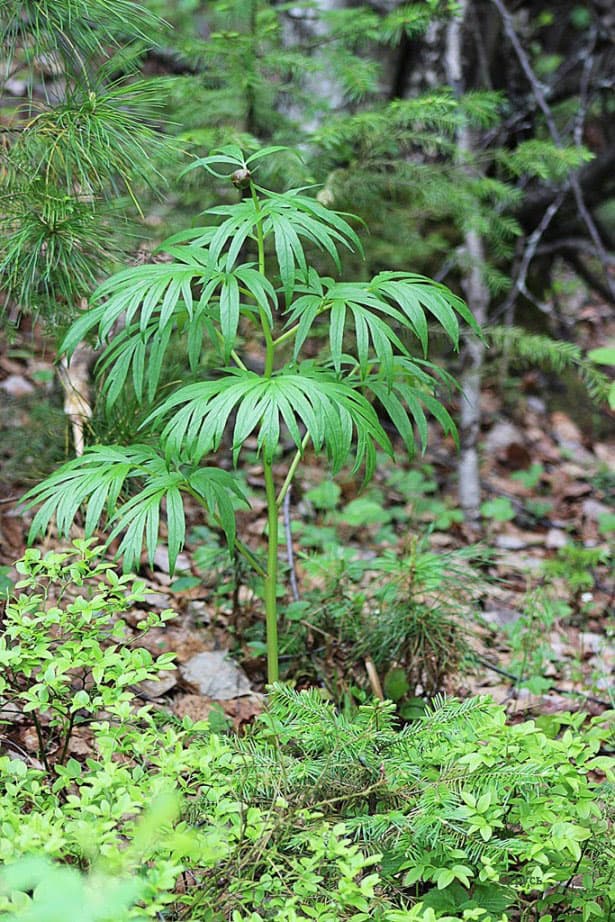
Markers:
point(241, 178)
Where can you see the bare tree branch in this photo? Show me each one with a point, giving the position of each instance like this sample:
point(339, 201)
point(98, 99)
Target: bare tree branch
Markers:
point(538, 90)
point(519, 285)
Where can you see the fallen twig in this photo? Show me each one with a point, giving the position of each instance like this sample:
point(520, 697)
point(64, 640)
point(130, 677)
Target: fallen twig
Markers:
point(289, 546)
point(559, 691)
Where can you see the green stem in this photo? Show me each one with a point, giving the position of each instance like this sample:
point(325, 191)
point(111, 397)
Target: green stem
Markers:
point(234, 355)
point(260, 243)
point(292, 470)
point(271, 577)
point(269, 343)
point(271, 580)
point(284, 337)
point(251, 557)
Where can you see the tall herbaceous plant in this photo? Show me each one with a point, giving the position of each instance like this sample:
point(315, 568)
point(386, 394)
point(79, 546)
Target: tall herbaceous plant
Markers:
point(246, 277)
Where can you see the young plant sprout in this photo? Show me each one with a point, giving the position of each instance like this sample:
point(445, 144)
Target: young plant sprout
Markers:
point(249, 268)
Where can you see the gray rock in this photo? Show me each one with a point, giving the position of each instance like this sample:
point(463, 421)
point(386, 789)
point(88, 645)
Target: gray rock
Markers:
point(502, 436)
point(199, 611)
point(161, 560)
point(214, 675)
point(155, 688)
point(501, 616)
point(17, 386)
point(556, 538)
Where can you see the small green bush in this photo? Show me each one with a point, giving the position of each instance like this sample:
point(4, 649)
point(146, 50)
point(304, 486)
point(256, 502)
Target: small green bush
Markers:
point(313, 815)
point(64, 650)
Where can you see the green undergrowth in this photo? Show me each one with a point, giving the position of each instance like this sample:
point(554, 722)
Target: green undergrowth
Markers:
point(312, 814)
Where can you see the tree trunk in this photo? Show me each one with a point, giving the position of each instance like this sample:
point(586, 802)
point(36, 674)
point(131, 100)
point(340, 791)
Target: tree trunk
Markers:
point(477, 295)
point(305, 26)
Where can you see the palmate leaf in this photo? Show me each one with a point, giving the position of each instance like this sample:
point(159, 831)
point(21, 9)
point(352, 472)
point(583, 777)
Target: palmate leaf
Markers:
point(290, 218)
point(139, 354)
point(233, 158)
point(408, 395)
point(415, 295)
point(401, 300)
point(140, 290)
point(333, 413)
point(98, 482)
point(152, 300)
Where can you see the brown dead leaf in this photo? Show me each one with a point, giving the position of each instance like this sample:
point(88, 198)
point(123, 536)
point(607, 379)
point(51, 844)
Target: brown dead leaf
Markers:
point(81, 743)
point(182, 641)
point(193, 706)
point(566, 432)
point(243, 710)
point(605, 452)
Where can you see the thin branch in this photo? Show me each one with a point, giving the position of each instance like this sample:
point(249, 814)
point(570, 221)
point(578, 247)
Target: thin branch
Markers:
point(289, 546)
point(519, 286)
point(539, 91)
point(572, 243)
point(588, 63)
point(560, 691)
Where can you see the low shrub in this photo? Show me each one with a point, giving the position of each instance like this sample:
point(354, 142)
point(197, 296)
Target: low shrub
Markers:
point(312, 815)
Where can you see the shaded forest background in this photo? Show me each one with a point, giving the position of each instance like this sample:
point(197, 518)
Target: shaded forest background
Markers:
point(474, 139)
point(143, 750)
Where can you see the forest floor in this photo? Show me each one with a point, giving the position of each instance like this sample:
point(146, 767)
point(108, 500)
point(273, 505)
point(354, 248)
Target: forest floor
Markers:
point(535, 630)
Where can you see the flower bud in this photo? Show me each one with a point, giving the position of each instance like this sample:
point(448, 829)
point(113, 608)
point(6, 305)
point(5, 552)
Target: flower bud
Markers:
point(241, 178)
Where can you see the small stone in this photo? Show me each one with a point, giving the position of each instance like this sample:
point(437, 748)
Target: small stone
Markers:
point(536, 405)
point(556, 539)
point(155, 688)
point(591, 643)
point(501, 437)
point(592, 509)
point(161, 561)
point(502, 616)
point(17, 386)
point(159, 601)
point(510, 542)
point(198, 611)
point(214, 675)
point(16, 87)
point(566, 432)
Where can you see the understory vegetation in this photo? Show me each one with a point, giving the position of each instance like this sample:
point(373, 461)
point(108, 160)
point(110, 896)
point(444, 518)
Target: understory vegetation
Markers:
point(305, 589)
point(312, 814)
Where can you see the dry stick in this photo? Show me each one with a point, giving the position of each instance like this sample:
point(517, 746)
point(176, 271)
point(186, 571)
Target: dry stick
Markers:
point(289, 545)
point(560, 691)
point(539, 94)
point(571, 243)
point(529, 252)
point(74, 377)
point(477, 295)
point(374, 678)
